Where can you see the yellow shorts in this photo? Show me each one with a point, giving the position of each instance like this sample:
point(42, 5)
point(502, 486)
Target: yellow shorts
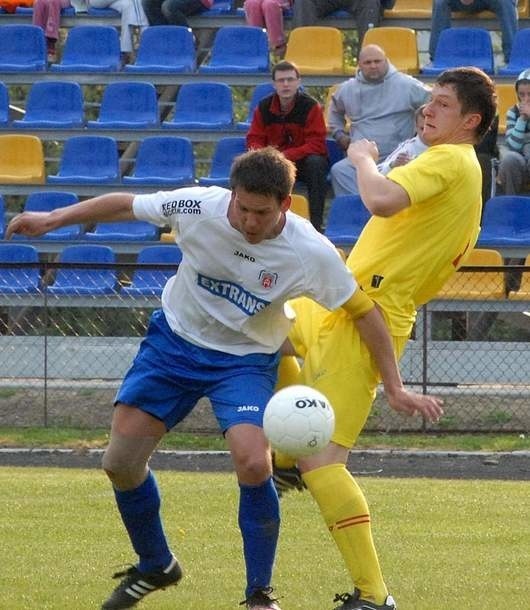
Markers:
point(338, 364)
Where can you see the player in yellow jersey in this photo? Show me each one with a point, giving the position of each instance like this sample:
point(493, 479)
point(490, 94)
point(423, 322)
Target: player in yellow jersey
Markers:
point(425, 219)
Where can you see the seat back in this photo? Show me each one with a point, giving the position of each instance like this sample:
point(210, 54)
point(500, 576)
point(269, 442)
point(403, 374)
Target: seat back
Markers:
point(53, 103)
point(241, 48)
point(204, 105)
point(19, 280)
point(128, 104)
point(90, 48)
point(410, 9)
point(520, 54)
point(85, 280)
point(165, 158)
point(165, 48)
point(47, 201)
point(4, 105)
point(22, 48)
point(506, 98)
point(2, 217)
point(260, 91)
point(300, 205)
point(152, 281)
point(225, 151)
point(477, 284)
point(21, 160)
point(316, 50)
point(399, 44)
point(346, 219)
point(127, 230)
point(464, 47)
point(506, 221)
point(91, 159)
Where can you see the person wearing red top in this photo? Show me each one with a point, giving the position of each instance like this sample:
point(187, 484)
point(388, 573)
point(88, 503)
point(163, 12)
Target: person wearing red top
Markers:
point(293, 122)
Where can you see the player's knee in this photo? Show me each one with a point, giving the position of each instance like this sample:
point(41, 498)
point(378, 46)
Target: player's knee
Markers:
point(125, 471)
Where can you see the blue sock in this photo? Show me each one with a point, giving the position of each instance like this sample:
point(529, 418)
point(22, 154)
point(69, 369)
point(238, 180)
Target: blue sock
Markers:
point(259, 522)
point(140, 512)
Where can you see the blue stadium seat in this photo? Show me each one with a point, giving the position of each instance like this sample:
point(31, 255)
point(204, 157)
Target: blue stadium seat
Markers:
point(53, 105)
point(219, 7)
point(102, 12)
point(505, 222)
point(22, 48)
point(164, 160)
point(462, 47)
point(4, 105)
point(165, 48)
point(260, 91)
point(19, 280)
point(242, 48)
point(127, 105)
point(520, 55)
point(47, 201)
point(90, 48)
point(2, 217)
point(86, 280)
point(225, 151)
point(151, 281)
point(88, 160)
point(346, 219)
point(133, 230)
point(202, 106)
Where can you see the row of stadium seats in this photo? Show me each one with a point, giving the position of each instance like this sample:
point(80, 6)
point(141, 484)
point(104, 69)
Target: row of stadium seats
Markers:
point(84, 273)
point(94, 159)
point(245, 49)
point(129, 105)
point(89, 277)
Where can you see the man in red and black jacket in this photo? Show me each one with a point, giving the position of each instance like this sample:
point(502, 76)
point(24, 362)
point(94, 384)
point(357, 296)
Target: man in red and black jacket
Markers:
point(293, 121)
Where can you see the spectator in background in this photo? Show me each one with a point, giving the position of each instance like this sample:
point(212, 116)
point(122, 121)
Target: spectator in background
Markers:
point(173, 12)
point(379, 104)
point(269, 14)
point(367, 13)
point(506, 11)
point(132, 14)
point(514, 170)
point(293, 122)
point(47, 15)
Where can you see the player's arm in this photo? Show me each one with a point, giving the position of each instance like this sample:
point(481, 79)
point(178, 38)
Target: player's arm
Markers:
point(105, 208)
point(374, 332)
point(380, 195)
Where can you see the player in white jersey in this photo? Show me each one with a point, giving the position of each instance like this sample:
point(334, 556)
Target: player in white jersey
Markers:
point(223, 320)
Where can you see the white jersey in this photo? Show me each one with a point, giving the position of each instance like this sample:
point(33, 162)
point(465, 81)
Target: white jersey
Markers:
point(231, 295)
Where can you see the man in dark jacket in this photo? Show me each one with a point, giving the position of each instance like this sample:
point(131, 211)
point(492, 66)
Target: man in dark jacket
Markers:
point(293, 122)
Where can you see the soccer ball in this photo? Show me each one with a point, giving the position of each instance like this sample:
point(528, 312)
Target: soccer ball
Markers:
point(298, 421)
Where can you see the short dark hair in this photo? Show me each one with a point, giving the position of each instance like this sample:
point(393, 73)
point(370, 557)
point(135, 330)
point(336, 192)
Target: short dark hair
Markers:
point(283, 66)
point(475, 91)
point(264, 171)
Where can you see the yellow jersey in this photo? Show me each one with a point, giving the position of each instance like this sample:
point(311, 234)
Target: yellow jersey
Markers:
point(402, 261)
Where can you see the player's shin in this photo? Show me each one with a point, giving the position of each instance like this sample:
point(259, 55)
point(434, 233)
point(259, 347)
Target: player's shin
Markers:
point(345, 511)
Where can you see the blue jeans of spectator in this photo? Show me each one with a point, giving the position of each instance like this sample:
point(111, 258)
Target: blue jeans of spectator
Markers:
point(171, 12)
point(506, 11)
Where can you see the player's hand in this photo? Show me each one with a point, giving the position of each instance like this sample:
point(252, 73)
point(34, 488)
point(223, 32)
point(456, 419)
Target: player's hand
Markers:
point(343, 140)
point(361, 149)
point(402, 159)
point(31, 224)
point(411, 403)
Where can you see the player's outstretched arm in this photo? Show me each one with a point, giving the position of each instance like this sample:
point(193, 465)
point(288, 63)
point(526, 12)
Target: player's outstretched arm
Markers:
point(374, 332)
point(105, 208)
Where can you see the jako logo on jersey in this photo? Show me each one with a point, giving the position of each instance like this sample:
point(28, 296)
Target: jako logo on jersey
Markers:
point(267, 278)
point(244, 408)
point(244, 256)
point(183, 206)
point(241, 298)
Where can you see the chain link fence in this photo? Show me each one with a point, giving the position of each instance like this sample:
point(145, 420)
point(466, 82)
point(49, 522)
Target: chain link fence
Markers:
point(63, 353)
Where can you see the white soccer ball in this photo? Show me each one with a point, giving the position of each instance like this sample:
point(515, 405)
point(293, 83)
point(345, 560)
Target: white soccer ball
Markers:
point(298, 421)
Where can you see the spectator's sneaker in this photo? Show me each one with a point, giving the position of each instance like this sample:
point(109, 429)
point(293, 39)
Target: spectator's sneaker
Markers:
point(286, 479)
point(136, 585)
point(261, 600)
point(353, 601)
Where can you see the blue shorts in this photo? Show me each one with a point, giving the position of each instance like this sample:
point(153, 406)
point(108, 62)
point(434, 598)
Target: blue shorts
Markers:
point(169, 375)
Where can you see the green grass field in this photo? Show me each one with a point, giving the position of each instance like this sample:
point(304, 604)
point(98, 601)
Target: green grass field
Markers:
point(444, 545)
